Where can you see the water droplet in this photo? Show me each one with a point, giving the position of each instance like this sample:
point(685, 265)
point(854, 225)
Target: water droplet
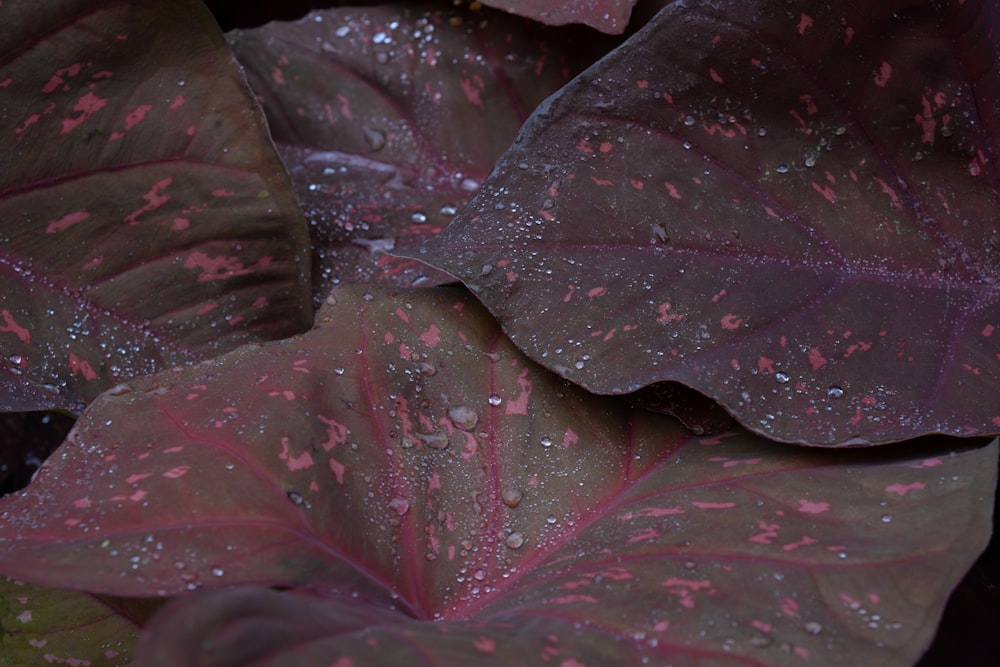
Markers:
point(511, 497)
point(782, 169)
point(217, 572)
point(494, 400)
point(399, 505)
point(813, 628)
point(339, 370)
point(464, 417)
point(689, 120)
point(781, 377)
point(469, 184)
point(690, 565)
point(835, 392)
point(478, 575)
point(550, 519)
point(886, 518)
point(514, 540)
point(419, 217)
point(295, 497)
point(762, 132)
point(375, 139)
point(546, 441)
point(449, 209)
point(230, 465)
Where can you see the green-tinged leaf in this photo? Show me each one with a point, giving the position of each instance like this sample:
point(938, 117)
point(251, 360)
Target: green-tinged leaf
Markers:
point(42, 626)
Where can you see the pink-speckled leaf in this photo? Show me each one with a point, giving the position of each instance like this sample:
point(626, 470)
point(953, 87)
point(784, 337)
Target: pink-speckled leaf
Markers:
point(389, 118)
point(146, 219)
point(406, 456)
point(40, 626)
point(787, 207)
point(609, 16)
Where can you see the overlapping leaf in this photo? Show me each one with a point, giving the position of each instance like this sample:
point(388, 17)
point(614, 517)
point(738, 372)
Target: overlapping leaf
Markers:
point(41, 626)
point(607, 15)
point(789, 208)
point(144, 216)
point(404, 457)
point(389, 118)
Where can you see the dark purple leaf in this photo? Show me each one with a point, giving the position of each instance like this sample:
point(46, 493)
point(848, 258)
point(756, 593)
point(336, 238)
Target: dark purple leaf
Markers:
point(609, 16)
point(788, 208)
point(45, 626)
point(389, 118)
point(146, 218)
point(404, 452)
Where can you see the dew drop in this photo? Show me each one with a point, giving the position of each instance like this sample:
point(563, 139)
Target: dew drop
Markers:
point(546, 441)
point(217, 572)
point(511, 497)
point(835, 392)
point(813, 628)
point(478, 575)
point(295, 497)
point(339, 370)
point(494, 400)
point(781, 377)
point(514, 540)
point(782, 169)
point(399, 505)
point(419, 217)
point(374, 138)
point(464, 417)
point(886, 518)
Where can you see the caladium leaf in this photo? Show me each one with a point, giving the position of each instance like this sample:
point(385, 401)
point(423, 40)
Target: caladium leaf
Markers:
point(389, 118)
point(146, 217)
point(41, 626)
point(403, 454)
point(788, 208)
point(609, 16)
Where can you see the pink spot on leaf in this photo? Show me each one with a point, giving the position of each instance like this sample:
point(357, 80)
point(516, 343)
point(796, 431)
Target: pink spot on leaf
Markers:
point(87, 106)
point(66, 221)
point(816, 359)
point(175, 473)
point(826, 191)
point(731, 322)
point(9, 325)
point(519, 406)
point(883, 74)
point(154, 200)
point(811, 507)
point(431, 337)
point(81, 366)
point(712, 505)
point(903, 489)
point(805, 22)
point(300, 462)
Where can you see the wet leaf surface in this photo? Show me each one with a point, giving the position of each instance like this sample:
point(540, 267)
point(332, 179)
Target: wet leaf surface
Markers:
point(40, 626)
point(403, 454)
point(784, 207)
point(609, 16)
point(389, 118)
point(147, 219)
